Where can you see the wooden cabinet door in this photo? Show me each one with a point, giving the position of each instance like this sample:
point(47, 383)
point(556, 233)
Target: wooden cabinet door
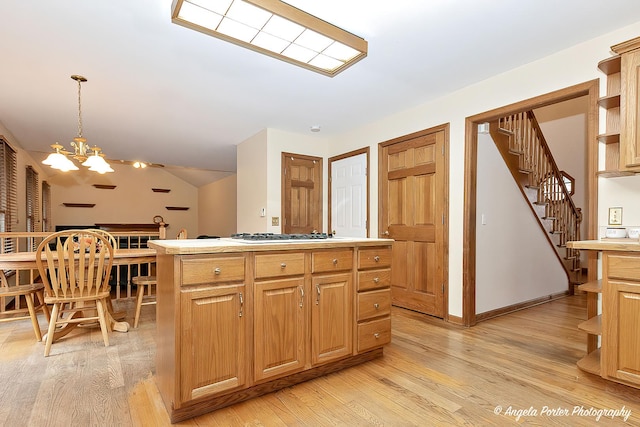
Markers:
point(279, 327)
point(213, 355)
point(621, 317)
point(331, 317)
point(629, 334)
point(630, 112)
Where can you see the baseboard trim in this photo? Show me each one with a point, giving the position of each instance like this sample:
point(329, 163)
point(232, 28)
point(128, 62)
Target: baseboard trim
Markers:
point(455, 320)
point(520, 306)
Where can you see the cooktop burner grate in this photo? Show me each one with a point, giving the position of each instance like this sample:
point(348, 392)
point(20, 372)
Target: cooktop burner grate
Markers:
point(273, 236)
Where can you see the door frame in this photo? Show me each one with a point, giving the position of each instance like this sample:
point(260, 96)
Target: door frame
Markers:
point(590, 89)
point(353, 153)
point(445, 203)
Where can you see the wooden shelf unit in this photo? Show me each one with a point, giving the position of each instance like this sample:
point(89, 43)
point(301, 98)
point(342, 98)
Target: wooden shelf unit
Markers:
point(611, 102)
point(592, 326)
point(591, 362)
point(593, 286)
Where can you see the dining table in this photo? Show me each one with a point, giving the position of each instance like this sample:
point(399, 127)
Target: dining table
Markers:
point(27, 261)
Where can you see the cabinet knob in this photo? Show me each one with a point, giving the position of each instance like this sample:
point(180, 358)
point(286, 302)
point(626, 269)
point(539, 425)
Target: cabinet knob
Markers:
point(376, 306)
point(376, 335)
point(376, 258)
point(386, 233)
point(216, 270)
point(283, 266)
point(376, 279)
point(335, 261)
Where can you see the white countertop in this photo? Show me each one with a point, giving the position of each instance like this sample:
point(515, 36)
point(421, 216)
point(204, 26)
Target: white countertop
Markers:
point(204, 246)
point(629, 245)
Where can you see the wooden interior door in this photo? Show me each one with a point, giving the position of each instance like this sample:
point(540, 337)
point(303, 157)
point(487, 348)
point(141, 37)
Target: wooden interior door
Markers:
point(301, 194)
point(412, 212)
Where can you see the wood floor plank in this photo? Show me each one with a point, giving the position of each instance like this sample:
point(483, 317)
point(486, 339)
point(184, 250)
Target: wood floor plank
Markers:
point(432, 373)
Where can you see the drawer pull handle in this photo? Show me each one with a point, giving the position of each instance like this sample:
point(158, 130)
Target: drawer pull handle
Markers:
point(217, 271)
point(376, 335)
point(335, 261)
point(283, 266)
point(376, 279)
point(376, 258)
point(376, 306)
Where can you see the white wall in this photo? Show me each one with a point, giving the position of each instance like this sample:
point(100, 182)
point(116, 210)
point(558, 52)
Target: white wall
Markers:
point(514, 262)
point(217, 207)
point(619, 192)
point(132, 201)
point(252, 183)
point(566, 68)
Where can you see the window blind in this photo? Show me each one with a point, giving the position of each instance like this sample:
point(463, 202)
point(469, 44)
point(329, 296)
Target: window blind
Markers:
point(8, 193)
point(33, 207)
point(46, 206)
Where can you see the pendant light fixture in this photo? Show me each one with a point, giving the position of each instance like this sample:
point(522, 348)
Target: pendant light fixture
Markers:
point(90, 157)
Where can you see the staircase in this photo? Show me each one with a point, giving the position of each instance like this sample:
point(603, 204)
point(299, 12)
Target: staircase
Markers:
point(522, 145)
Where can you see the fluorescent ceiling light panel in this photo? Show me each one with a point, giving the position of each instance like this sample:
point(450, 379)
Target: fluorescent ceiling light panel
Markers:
point(239, 31)
point(217, 6)
point(283, 28)
point(274, 28)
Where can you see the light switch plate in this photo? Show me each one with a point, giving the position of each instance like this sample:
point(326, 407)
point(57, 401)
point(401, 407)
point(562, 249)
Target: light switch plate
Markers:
point(615, 216)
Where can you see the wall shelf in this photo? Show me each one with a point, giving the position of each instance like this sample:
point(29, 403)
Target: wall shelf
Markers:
point(177, 208)
point(104, 186)
point(160, 190)
point(79, 205)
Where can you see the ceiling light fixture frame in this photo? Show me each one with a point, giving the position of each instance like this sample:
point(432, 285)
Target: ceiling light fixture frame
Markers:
point(290, 13)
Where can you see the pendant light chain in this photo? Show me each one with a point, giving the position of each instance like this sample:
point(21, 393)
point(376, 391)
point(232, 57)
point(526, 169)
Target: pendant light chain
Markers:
point(79, 109)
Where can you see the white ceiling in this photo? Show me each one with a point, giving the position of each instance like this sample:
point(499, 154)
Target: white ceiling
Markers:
point(162, 93)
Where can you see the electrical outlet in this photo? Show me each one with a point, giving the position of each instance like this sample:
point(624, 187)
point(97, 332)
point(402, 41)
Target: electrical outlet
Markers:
point(615, 216)
point(275, 220)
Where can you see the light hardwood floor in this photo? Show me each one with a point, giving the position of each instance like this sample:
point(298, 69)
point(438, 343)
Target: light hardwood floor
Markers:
point(431, 374)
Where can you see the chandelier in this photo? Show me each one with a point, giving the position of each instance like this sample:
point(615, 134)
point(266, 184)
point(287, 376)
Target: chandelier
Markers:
point(91, 157)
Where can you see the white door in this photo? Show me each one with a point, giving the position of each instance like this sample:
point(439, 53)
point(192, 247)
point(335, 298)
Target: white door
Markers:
point(349, 196)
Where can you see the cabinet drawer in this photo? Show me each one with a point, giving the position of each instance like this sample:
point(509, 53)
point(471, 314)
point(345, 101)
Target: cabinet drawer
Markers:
point(374, 334)
point(212, 270)
point(336, 260)
point(623, 267)
point(374, 257)
point(284, 264)
point(373, 279)
point(374, 304)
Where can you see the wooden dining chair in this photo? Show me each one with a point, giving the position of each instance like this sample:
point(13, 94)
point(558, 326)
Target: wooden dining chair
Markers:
point(33, 294)
point(145, 285)
point(75, 267)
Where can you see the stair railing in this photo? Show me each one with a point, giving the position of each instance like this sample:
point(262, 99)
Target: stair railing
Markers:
point(535, 159)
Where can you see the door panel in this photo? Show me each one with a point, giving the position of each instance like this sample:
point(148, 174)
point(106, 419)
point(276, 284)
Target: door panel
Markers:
point(349, 196)
point(412, 193)
point(301, 193)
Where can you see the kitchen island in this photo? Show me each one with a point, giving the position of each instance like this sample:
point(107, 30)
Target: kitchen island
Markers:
point(237, 319)
point(618, 324)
